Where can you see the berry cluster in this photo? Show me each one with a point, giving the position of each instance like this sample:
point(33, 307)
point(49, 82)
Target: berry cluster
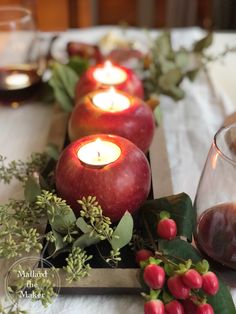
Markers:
point(175, 288)
point(182, 291)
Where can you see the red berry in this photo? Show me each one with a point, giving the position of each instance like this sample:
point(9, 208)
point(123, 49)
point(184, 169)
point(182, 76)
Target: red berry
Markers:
point(210, 283)
point(143, 255)
point(154, 276)
point(177, 288)
point(192, 279)
point(205, 309)
point(166, 229)
point(174, 307)
point(189, 307)
point(154, 307)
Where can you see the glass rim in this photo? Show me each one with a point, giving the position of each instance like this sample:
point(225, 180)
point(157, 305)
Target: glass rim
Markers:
point(27, 14)
point(221, 153)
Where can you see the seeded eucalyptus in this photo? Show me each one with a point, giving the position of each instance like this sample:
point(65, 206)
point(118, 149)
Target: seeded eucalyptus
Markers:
point(21, 170)
point(77, 266)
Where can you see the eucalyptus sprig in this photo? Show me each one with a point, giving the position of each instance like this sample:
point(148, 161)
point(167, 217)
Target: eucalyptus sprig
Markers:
point(21, 170)
point(92, 212)
point(77, 264)
point(164, 68)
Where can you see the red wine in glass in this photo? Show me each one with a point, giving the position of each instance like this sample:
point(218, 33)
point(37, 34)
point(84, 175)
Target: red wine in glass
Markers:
point(216, 233)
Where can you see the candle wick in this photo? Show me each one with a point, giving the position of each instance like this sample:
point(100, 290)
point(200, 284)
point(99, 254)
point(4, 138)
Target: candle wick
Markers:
point(112, 105)
point(99, 155)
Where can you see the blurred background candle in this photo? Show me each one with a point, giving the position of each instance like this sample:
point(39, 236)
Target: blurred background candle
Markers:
point(21, 65)
point(107, 74)
point(112, 168)
point(112, 111)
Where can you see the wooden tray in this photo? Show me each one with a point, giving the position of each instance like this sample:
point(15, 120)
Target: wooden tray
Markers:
point(109, 280)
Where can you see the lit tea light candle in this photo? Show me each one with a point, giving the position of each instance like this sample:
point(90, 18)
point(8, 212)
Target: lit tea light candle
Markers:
point(99, 153)
point(111, 100)
point(122, 185)
point(16, 80)
point(111, 111)
point(109, 74)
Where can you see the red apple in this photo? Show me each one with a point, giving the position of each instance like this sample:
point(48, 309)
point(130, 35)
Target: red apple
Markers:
point(136, 123)
point(119, 186)
point(87, 83)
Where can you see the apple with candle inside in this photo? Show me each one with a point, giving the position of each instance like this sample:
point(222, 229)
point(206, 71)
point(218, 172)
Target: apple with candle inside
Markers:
point(107, 74)
point(106, 166)
point(111, 111)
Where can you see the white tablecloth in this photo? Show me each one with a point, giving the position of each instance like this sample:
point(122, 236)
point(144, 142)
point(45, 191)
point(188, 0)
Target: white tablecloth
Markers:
point(189, 128)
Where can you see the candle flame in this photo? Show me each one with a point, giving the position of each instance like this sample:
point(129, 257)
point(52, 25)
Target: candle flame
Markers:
point(108, 65)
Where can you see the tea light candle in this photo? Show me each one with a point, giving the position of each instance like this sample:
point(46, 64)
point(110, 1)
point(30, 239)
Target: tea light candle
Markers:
point(110, 100)
point(113, 169)
point(113, 112)
point(17, 80)
point(105, 75)
point(109, 74)
point(99, 153)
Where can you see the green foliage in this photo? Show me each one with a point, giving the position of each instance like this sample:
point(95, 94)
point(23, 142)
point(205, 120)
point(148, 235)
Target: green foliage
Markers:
point(180, 209)
point(32, 189)
point(123, 232)
point(18, 231)
point(63, 81)
point(21, 170)
point(168, 67)
point(60, 215)
point(77, 264)
point(179, 250)
point(92, 212)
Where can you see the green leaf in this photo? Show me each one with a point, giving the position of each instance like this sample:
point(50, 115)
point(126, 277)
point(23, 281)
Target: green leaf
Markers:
point(222, 302)
point(175, 92)
point(86, 240)
point(166, 65)
point(59, 243)
point(202, 267)
point(164, 214)
point(163, 44)
point(182, 59)
point(170, 78)
point(203, 43)
point(180, 208)
point(32, 190)
point(53, 151)
point(62, 223)
point(123, 232)
point(192, 74)
point(79, 65)
point(60, 94)
point(158, 114)
point(67, 76)
point(83, 226)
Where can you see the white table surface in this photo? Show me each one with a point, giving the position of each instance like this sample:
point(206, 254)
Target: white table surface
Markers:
point(189, 128)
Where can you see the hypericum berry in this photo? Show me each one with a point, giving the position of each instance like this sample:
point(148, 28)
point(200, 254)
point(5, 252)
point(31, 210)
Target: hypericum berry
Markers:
point(210, 283)
point(205, 309)
point(167, 229)
point(142, 255)
point(174, 307)
point(154, 307)
point(192, 279)
point(177, 288)
point(154, 276)
point(189, 307)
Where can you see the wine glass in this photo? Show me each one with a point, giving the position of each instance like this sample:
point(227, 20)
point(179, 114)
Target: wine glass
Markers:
point(21, 65)
point(216, 200)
